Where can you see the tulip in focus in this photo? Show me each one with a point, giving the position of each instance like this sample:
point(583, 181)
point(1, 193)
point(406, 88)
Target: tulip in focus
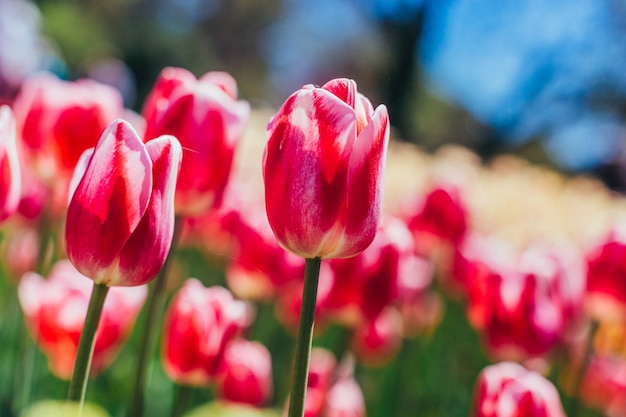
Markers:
point(198, 325)
point(246, 373)
point(10, 177)
point(323, 166)
point(55, 310)
point(507, 389)
point(120, 218)
point(209, 121)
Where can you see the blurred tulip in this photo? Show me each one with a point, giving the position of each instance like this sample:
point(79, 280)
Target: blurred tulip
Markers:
point(604, 385)
point(377, 341)
point(259, 267)
point(365, 284)
point(10, 178)
point(321, 374)
point(120, 218)
point(55, 310)
point(57, 121)
point(345, 399)
point(331, 388)
point(323, 167)
point(507, 389)
point(439, 219)
point(198, 325)
point(209, 121)
point(246, 373)
point(527, 304)
point(606, 278)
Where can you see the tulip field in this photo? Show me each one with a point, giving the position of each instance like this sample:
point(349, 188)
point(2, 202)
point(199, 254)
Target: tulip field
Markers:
point(206, 257)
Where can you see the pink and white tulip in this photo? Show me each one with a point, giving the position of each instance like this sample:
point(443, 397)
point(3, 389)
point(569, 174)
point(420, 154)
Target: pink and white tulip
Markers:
point(323, 166)
point(55, 310)
point(120, 219)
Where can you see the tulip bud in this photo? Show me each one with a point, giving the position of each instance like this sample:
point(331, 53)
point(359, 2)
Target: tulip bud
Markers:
point(10, 180)
point(198, 325)
point(246, 375)
point(323, 166)
point(207, 118)
point(506, 387)
point(55, 310)
point(120, 218)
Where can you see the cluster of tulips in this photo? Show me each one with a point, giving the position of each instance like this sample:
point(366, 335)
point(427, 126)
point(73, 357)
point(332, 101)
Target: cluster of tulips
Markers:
point(96, 200)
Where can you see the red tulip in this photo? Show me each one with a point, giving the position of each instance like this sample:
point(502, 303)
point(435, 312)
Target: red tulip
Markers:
point(10, 178)
point(259, 268)
point(246, 373)
point(440, 218)
point(509, 390)
point(199, 324)
point(525, 305)
point(55, 310)
point(58, 120)
point(207, 118)
point(323, 167)
point(365, 284)
point(377, 341)
point(120, 218)
point(606, 278)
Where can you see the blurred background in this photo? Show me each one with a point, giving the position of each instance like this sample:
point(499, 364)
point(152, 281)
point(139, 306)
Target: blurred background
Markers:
point(544, 79)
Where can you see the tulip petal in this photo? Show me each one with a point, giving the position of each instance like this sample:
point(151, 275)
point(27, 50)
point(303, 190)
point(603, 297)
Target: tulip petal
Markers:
point(109, 201)
point(364, 198)
point(10, 176)
point(305, 167)
point(145, 251)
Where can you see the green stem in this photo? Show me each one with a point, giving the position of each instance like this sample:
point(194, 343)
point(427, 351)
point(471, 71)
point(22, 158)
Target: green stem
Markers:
point(154, 311)
point(78, 384)
point(181, 398)
point(305, 338)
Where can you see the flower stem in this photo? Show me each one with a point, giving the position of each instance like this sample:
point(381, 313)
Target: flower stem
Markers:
point(305, 338)
point(78, 384)
point(154, 311)
point(181, 398)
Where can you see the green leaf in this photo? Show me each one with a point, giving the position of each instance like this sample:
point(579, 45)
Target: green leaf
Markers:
point(56, 408)
point(217, 409)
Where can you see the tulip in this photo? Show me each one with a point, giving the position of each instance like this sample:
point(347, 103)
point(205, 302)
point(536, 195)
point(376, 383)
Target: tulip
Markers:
point(198, 325)
point(55, 311)
point(526, 305)
point(366, 284)
point(10, 180)
point(121, 216)
point(58, 120)
point(246, 373)
point(377, 341)
point(323, 167)
point(508, 389)
point(331, 388)
point(207, 118)
point(606, 278)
